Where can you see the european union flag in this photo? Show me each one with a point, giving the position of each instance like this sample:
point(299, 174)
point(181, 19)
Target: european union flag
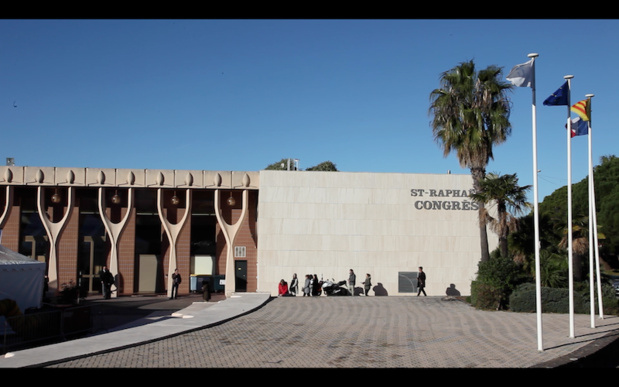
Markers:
point(559, 97)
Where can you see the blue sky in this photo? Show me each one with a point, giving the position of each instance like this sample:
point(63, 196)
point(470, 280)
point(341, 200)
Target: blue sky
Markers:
point(243, 94)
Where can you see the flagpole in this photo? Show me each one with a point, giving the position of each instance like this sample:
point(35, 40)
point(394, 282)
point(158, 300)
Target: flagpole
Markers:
point(591, 223)
point(523, 75)
point(569, 207)
point(593, 214)
point(538, 293)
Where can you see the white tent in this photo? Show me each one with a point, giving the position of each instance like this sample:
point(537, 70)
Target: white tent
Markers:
point(21, 279)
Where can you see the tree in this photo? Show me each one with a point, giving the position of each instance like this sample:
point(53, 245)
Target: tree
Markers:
point(580, 244)
point(283, 164)
point(470, 115)
point(553, 269)
point(554, 207)
point(324, 166)
point(510, 200)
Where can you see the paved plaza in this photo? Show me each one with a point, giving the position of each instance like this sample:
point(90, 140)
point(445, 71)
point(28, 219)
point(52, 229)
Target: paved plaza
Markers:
point(347, 332)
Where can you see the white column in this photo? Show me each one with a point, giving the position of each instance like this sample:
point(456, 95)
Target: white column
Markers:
point(172, 231)
point(53, 233)
point(114, 230)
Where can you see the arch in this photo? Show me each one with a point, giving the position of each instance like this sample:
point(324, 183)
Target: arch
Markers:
point(172, 231)
point(54, 230)
point(7, 206)
point(114, 230)
point(230, 231)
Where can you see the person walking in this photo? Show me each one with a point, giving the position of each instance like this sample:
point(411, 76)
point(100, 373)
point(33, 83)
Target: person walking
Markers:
point(421, 282)
point(294, 285)
point(107, 280)
point(367, 284)
point(176, 280)
point(352, 278)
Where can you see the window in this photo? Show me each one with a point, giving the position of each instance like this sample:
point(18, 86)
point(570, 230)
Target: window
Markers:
point(407, 281)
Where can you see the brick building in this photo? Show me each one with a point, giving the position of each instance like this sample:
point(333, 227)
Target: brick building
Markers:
point(142, 224)
point(243, 230)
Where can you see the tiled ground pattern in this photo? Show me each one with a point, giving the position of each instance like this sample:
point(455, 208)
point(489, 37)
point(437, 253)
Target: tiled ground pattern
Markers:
point(368, 332)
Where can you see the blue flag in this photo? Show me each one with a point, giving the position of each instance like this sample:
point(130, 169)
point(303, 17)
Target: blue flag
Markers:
point(559, 97)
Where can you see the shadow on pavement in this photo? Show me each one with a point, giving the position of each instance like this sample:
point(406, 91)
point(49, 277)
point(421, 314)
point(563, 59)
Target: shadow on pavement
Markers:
point(116, 313)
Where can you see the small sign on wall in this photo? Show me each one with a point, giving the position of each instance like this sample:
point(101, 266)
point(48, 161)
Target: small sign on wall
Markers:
point(239, 251)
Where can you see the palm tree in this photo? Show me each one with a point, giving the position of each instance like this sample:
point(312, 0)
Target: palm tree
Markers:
point(470, 115)
point(510, 200)
point(580, 244)
point(553, 269)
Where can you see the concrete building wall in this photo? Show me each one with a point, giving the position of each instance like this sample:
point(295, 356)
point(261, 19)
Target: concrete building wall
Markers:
point(385, 224)
point(302, 222)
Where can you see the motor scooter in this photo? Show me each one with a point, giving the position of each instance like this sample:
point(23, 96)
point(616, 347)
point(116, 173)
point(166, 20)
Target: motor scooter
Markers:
point(332, 288)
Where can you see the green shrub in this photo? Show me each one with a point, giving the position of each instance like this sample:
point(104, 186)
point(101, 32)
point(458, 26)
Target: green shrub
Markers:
point(495, 280)
point(609, 299)
point(523, 299)
point(485, 296)
point(553, 269)
point(554, 300)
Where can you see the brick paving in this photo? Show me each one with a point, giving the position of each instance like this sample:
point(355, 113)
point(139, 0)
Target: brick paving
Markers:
point(365, 332)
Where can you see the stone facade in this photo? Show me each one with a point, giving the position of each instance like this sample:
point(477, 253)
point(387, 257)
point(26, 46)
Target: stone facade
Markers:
point(385, 224)
point(266, 225)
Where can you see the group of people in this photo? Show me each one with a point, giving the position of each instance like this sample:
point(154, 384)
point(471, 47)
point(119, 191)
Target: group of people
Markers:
point(312, 286)
point(107, 280)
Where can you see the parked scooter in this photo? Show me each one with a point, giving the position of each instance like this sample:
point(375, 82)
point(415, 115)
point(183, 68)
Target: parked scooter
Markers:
point(332, 288)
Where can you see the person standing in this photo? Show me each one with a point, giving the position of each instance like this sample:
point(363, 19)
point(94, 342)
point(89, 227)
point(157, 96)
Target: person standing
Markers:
point(421, 282)
point(352, 278)
point(315, 286)
point(107, 280)
point(367, 284)
point(206, 290)
point(294, 285)
point(176, 280)
point(307, 286)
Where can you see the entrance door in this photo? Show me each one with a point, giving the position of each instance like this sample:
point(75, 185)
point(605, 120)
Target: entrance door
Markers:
point(91, 260)
point(147, 278)
point(240, 276)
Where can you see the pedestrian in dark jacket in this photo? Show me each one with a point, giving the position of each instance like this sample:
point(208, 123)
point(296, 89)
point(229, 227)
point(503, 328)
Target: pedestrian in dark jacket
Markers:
point(107, 280)
point(421, 282)
point(176, 280)
point(315, 286)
